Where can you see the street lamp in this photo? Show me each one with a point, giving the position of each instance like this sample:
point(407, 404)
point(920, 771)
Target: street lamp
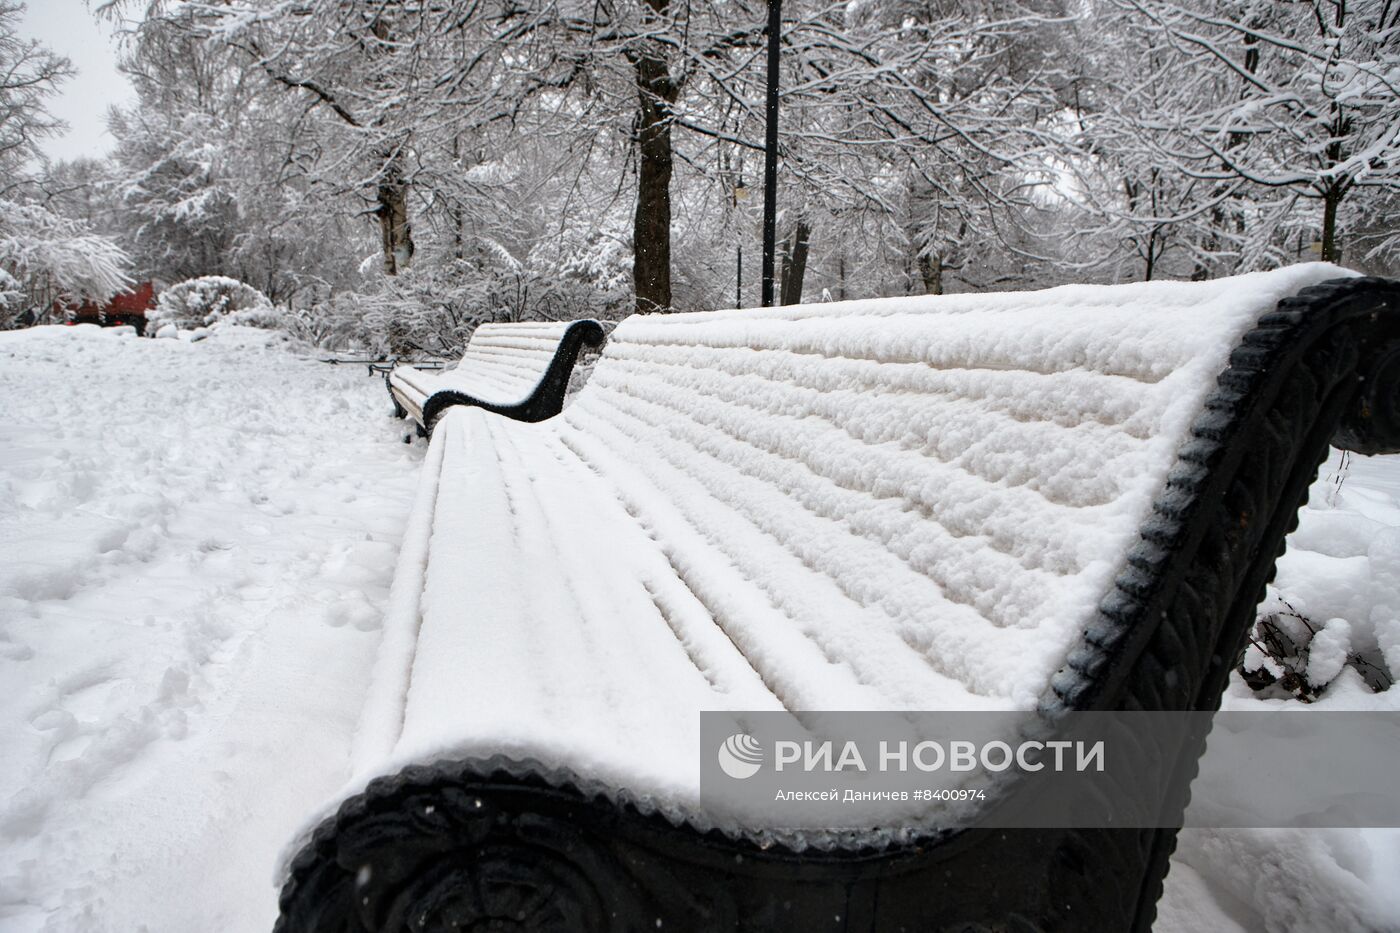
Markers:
point(770, 153)
point(741, 193)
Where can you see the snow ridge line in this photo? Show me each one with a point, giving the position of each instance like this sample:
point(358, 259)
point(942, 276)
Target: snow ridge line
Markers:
point(386, 695)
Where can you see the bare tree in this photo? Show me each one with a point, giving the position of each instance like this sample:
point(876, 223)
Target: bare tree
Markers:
point(29, 76)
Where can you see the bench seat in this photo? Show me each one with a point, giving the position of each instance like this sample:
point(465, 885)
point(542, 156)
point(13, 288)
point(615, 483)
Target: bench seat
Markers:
point(953, 503)
point(520, 370)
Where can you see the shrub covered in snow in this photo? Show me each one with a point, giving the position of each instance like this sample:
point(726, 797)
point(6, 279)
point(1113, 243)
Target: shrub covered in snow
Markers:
point(1334, 613)
point(333, 323)
point(211, 298)
point(1294, 654)
point(433, 310)
point(266, 316)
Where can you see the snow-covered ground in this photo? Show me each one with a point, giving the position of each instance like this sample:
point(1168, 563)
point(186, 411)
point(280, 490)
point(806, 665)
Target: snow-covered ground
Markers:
point(1343, 563)
point(196, 541)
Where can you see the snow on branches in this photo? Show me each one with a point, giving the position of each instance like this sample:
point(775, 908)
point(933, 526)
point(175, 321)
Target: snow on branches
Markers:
point(50, 262)
point(1244, 134)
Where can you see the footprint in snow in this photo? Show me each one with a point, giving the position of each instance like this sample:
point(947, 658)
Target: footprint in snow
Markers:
point(354, 610)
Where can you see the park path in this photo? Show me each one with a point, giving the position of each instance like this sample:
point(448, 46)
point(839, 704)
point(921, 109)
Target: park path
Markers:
point(196, 540)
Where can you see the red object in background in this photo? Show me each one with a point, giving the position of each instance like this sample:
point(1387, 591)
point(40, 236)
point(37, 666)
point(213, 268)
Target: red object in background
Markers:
point(126, 308)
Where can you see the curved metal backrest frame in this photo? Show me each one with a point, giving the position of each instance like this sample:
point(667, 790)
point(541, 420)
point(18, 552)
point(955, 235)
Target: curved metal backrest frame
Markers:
point(1323, 368)
point(545, 400)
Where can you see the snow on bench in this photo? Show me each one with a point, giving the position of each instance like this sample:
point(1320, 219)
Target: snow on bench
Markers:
point(517, 370)
point(1036, 501)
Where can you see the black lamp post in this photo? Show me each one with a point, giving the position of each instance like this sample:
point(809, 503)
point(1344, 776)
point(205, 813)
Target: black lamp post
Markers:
point(770, 153)
point(741, 193)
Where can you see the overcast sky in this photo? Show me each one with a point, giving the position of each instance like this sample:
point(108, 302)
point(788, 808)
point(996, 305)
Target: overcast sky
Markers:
point(69, 28)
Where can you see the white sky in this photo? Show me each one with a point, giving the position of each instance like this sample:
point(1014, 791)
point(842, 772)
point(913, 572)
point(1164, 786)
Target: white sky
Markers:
point(69, 28)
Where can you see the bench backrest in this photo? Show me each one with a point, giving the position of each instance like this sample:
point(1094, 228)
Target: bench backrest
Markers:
point(503, 362)
point(913, 503)
point(520, 370)
point(506, 361)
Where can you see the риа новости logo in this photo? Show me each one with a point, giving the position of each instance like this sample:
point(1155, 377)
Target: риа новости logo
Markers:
point(741, 756)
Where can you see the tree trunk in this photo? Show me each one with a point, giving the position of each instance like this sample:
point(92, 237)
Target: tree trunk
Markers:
point(651, 229)
point(1332, 197)
point(794, 265)
point(1331, 251)
point(455, 212)
point(1151, 255)
point(931, 270)
point(395, 236)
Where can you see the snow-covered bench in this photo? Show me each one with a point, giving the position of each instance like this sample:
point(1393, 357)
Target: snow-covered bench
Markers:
point(517, 370)
point(1062, 500)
